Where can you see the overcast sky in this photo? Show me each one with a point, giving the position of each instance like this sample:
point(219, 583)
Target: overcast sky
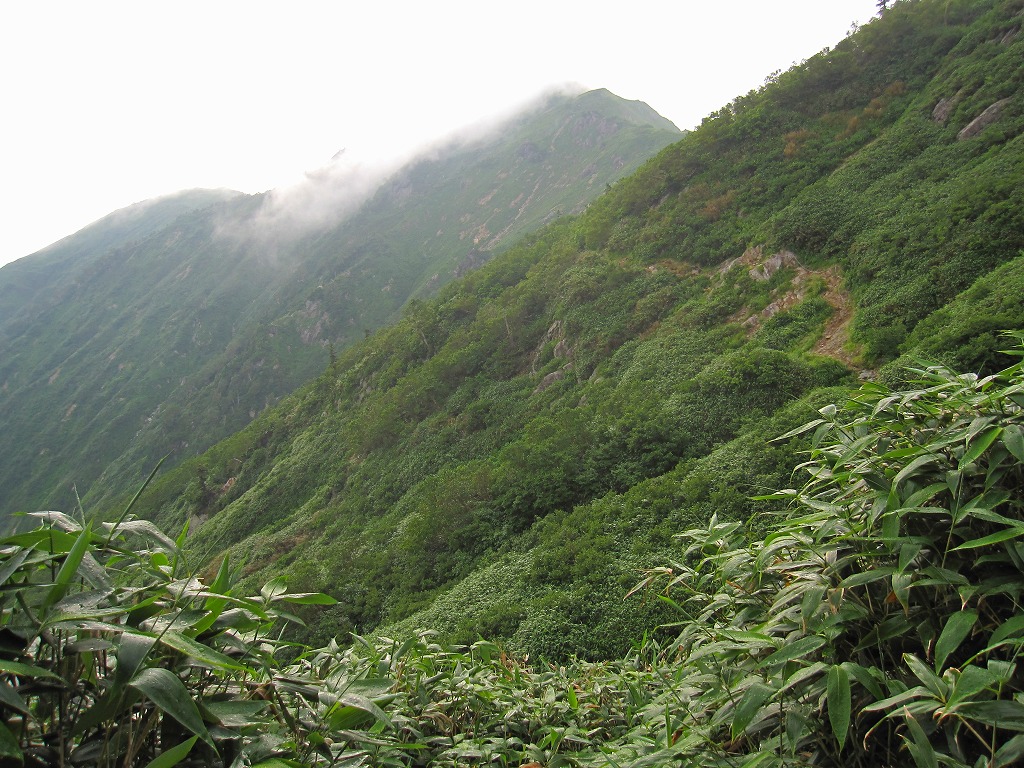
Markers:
point(109, 102)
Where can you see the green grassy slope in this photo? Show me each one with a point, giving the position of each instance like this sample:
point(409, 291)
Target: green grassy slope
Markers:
point(28, 283)
point(505, 458)
point(148, 336)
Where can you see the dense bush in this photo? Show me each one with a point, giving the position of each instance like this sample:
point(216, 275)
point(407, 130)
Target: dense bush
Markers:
point(114, 652)
point(877, 622)
point(882, 619)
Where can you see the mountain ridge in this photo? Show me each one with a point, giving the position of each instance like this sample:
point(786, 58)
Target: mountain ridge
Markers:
point(506, 457)
point(163, 339)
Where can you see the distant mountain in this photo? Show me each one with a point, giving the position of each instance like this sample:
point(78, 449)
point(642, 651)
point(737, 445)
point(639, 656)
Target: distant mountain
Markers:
point(506, 459)
point(168, 325)
point(22, 281)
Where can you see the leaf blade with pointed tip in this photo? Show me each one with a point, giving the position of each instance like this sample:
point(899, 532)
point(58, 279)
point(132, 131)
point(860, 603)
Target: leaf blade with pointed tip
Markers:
point(171, 757)
point(837, 693)
point(166, 690)
point(958, 627)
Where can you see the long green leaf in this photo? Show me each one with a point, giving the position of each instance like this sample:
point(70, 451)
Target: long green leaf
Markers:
point(994, 538)
point(276, 587)
point(69, 568)
point(25, 670)
point(9, 698)
point(1013, 440)
point(59, 520)
point(352, 709)
point(166, 690)
point(171, 757)
point(863, 676)
point(198, 651)
point(131, 653)
point(937, 686)
point(920, 748)
point(233, 714)
point(751, 703)
point(10, 751)
point(958, 627)
point(996, 714)
point(146, 529)
point(979, 445)
point(1010, 753)
point(1009, 628)
point(912, 468)
point(837, 693)
point(135, 498)
point(13, 565)
point(308, 598)
point(795, 650)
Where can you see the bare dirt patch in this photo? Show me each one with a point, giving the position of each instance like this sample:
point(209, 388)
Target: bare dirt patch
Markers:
point(835, 337)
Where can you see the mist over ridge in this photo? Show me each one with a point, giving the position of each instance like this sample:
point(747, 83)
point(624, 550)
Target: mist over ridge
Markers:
point(162, 336)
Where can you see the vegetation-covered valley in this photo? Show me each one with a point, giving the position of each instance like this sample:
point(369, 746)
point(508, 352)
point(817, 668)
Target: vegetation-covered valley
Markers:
point(809, 292)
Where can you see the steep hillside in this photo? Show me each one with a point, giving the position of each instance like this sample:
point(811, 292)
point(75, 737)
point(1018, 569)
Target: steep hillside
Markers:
point(27, 282)
point(152, 333)
point(504, 459)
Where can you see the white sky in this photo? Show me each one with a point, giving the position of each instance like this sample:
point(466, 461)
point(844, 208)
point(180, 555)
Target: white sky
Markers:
point(108, 102)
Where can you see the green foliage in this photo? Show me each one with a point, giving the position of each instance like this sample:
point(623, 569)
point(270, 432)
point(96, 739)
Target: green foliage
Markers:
point(571, 403)
point(164, 329)
point(875, 622)
point(965, 334)
point(883, 615)
point(797, 328)
point(115, 653)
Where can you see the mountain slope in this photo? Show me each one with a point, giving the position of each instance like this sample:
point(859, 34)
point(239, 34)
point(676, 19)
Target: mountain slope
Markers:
point(164, 336)
point(24, 281)
point(505, 458)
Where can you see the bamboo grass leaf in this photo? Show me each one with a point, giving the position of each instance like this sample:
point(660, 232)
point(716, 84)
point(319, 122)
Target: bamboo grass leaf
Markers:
point(1009, 628)
point(132, 651)
point(166, 690)
point(307, 598)
point(10, 750)
point(198, 651)
point(792, 651)
point(1011, 752)
point(920, 748)
point(993, 538)
point(173, 756)
point(12, 565)
point(751, 703)
point(979, 445)
point(958, 626)
point(69, 568)
point(838, 696)
point(1013, 440)
point(20, 669)
point(135, 498)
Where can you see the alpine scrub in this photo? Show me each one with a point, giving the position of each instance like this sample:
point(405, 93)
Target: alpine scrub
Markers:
point(881, 621)
point(113, 652)
point(876, 621)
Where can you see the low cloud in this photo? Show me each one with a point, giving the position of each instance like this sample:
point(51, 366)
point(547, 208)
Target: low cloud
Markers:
point(322, 199)
point(327, 196)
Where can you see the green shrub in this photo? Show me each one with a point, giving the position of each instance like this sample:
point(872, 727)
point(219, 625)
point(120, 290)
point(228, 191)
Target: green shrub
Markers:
point(114, 653)
point(881, 622)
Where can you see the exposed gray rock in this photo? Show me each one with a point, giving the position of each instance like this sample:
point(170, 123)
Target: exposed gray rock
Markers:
point(983, 121)
point(942, 111)
point(548, 380)
point(773, 264)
